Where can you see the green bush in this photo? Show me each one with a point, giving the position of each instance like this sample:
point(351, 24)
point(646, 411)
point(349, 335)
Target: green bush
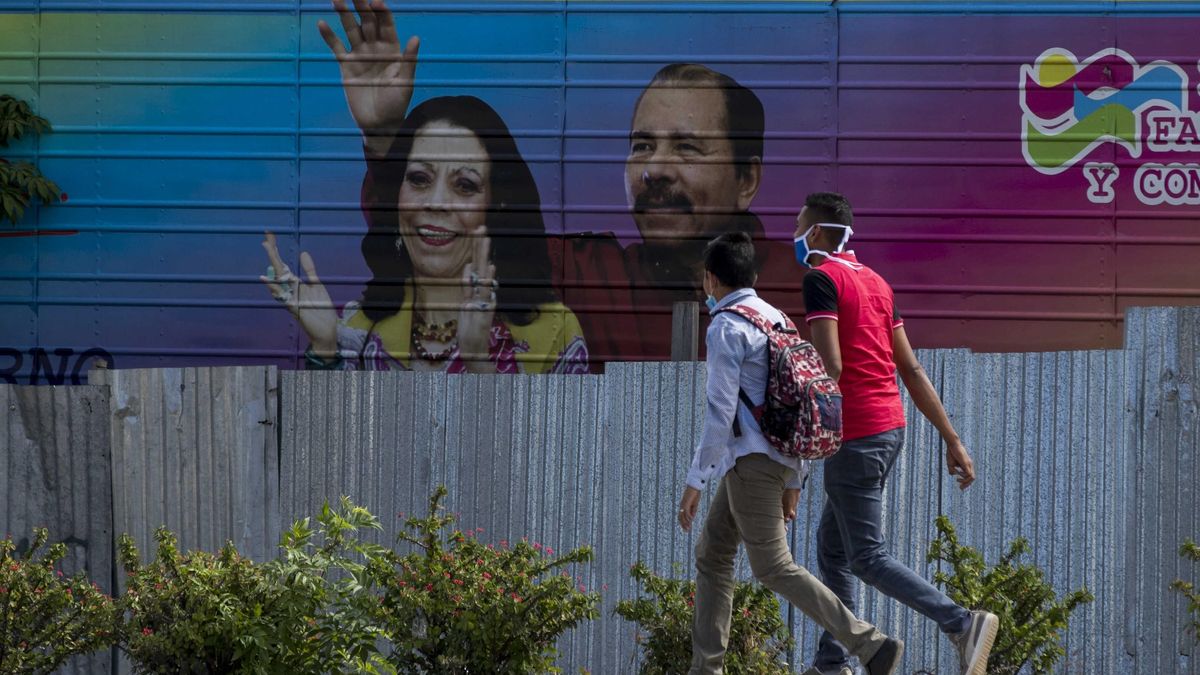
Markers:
point(21, 182)
point(310, 611)
point(326, 589)
point(457, 605)
point(46, 618)
point(198, 612)
point(1032, 616)
point(1190, 551)
point(758, 637)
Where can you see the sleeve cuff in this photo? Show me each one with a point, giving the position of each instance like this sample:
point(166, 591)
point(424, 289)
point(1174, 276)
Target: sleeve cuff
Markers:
point(799, 477)
point(700, 478)
point(813, 316)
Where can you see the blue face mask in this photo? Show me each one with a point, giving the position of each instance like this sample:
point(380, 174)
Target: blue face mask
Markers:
point(711, 303)
point(803, 252)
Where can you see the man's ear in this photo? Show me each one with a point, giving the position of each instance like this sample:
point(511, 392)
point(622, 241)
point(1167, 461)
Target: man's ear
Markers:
point(749, 180)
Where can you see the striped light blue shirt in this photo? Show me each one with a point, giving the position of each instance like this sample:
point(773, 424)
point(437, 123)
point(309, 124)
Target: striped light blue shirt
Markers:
point(737, 358)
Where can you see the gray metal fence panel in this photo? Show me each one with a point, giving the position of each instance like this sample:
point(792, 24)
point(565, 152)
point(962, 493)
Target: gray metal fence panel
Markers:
point(55, 472)
point(196, 450)
point(1090, 455)
point(519, 455)
point(1163, 429)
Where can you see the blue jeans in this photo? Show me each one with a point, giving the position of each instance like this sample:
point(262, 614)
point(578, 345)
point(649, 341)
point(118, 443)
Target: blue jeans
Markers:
point(850, 540)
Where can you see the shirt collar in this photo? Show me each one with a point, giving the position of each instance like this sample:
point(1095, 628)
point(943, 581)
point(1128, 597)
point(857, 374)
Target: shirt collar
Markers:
point(734, 298)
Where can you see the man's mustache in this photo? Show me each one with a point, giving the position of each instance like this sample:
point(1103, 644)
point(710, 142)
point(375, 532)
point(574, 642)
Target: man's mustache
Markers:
point(661, 198)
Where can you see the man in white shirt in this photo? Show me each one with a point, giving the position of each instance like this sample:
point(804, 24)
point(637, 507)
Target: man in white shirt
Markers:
point(758, 488)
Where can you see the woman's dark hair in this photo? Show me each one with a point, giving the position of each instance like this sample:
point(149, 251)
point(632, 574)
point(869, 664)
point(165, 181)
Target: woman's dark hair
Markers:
point(514, 216)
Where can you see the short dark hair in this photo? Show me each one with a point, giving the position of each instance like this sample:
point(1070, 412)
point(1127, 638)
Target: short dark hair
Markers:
point(745, 121)
point(514, 216)
point(730, 257)
point(830, 207)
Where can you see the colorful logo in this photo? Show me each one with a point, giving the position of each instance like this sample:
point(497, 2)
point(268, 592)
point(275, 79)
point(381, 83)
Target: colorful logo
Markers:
point(1071, 108)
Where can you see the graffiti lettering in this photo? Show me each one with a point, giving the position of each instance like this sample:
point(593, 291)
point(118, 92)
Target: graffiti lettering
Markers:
point(43, 368)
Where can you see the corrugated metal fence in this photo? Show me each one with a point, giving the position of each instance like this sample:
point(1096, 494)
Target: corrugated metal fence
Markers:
point(1091, 455)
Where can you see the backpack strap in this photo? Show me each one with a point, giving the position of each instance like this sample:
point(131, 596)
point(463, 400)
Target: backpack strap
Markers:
point(755, 317)
point(750, 314)
point(760, 322)
point(744, 398)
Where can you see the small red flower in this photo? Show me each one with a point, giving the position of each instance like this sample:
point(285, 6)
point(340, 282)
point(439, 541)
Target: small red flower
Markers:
point(549, 551)
point(428, 587)
point(458, 582)
point(582, 589)
point(147, 631)
point(487, 575)
point(745, 612)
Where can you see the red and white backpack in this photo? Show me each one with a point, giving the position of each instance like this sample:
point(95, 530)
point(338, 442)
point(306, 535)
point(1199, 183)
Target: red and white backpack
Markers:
point(802, 414)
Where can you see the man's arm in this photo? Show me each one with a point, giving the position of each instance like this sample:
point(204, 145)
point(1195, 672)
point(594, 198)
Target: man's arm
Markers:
point(926, 398)
point(821, 313)
point(825, 339)
point(726, 349)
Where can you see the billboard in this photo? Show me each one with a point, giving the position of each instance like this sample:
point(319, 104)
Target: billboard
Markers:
point(528, 186)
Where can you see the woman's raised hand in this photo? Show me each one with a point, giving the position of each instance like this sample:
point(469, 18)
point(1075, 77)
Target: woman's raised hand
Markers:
point(479, 306)
point(377, 75)
point(308, 301)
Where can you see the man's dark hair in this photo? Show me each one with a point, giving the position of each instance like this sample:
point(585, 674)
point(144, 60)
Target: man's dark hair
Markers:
point(730, 257)
point(829, 207)
point(745, 121)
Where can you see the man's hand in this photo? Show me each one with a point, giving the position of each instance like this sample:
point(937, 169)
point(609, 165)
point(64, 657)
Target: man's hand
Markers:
point(791, 499)
point(959, 464)
point(687, 508)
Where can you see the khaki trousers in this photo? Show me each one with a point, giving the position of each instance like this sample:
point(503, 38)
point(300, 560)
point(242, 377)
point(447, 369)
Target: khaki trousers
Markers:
point(748, 509)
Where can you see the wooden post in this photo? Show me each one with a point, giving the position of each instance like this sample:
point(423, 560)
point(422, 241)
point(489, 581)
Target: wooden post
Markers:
point(685, 331)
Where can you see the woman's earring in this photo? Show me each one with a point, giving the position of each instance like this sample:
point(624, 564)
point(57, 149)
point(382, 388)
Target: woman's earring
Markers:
point(399, 244)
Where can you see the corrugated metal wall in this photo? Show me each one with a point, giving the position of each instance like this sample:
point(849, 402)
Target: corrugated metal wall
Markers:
point(1091, 455)
point(193, 125)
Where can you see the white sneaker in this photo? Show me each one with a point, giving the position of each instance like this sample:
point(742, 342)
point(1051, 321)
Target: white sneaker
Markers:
point(975, 643)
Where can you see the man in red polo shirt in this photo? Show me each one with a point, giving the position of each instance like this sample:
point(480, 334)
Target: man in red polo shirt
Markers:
point(859, 333)
point(693, 168)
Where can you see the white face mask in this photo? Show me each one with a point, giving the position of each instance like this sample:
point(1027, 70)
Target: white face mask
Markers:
point(803, 252)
